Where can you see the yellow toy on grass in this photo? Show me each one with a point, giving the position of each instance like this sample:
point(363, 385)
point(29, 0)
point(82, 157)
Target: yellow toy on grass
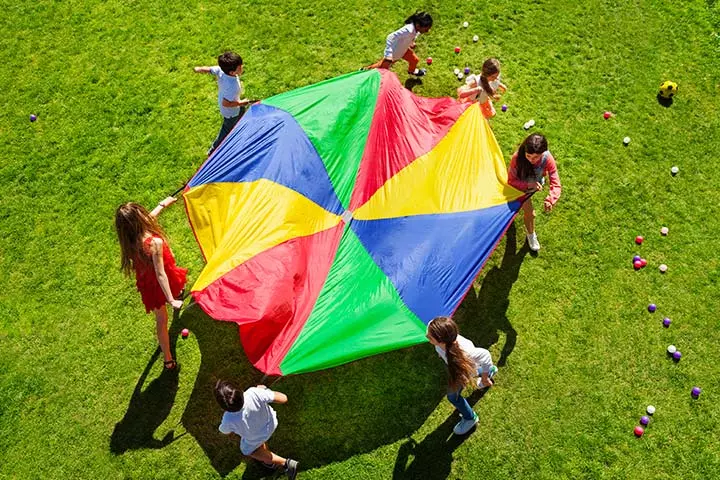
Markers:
point(668, 89)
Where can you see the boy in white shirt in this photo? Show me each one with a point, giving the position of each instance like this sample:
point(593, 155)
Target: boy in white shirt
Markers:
point(227, 71)
point(249, 415)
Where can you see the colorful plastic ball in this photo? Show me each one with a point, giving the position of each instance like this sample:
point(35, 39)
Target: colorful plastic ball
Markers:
point(504, 108)
point(466, 24)
point(674, 171)
point(626, 140)
point(467, 70)
point(185, 332)
point(650, 410)
point(460, 76)
point(677, 355)
point(671, 349)
point(643, 262)
point(652, 307)
point(639, 239)
point(607, 115)
point(428, 60)
point(637, 264)
point(639, 431)
point(696, 391)
point(668, 89)
point(456, 71)
point(476, 39)
point(664, 231)
point(663, 268)
point(637, 258)
point(457, 49)
point(666, 322)
point(644, 419)
point(33, 117)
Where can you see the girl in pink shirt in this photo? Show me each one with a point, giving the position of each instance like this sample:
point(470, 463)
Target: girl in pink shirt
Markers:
point(528, 167)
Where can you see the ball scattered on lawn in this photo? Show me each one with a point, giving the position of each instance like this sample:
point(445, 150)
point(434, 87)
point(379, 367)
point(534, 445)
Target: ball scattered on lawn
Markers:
point(185, 332)
point(696, 391)
point(626, 140)
point(652, 307)
point(644, 419)
point(637, 258)
point(637, 264)
point(466, 24)
point(674, 171)
point(504, 108)
point(664, 231)
point(677, 355)
point(671, 349)
point(663, 268)
point(639, 239)
point(607, 115)
point(467, 70)
point(476, 39)
point(460, 76)
point(33, 117)
point(639, 431)
point(666, 322)
point(428, 60)
point(456, 71)
point(650, 410)
point(457, 49)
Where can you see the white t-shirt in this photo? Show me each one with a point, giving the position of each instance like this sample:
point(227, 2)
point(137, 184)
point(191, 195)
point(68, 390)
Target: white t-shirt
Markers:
point(479, 356)
point(481, 97)
point(398, 42)
point(256, 421)
point(230, 89)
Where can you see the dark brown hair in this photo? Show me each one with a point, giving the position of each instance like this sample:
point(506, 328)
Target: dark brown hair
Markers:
point(421, 19)
point(132, 223)
point(229, 62)
point(460, 368)
point(228, 397)
point(490, 67)
point(535, 143)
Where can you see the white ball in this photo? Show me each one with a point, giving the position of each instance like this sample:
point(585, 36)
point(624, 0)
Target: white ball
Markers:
point(460, 76)
point(476, 39)
point(663, 268)
point(672, 349)
point(650, 409)
point(674, 170)
point(456, 71)
point(466, 24)
point(626, 140)
point(664, 231)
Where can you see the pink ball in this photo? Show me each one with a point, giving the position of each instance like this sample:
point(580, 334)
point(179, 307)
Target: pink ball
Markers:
point(607, 115)
point(637, 264)
point(639, 431)
point(185, 332)
point(639, 239)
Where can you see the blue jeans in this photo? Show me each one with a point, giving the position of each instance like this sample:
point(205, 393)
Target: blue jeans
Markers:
point(227, 125)
point(460, 403)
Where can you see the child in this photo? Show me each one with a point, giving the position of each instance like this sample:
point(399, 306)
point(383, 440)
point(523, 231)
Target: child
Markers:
point(144, 249)
point(249, 415)
point(228, 70)
point(465, 361)
point(400, 43)
point(527, 171)
point(484, 87)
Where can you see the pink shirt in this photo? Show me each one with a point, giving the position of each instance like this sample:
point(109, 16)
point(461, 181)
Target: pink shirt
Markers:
point(526, 185)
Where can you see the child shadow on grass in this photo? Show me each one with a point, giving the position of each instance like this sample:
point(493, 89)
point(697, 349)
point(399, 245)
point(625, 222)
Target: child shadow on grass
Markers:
point(432, 458)
point(148, 408)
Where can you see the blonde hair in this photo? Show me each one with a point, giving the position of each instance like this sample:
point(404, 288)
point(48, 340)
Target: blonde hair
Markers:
point(132, 223)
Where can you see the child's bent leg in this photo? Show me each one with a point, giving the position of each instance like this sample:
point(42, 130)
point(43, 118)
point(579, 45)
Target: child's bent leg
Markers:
point(461, 404)
point(161, 328)
point(264, 455)
point(487, 109)
point(412, 60)
point(529, 216)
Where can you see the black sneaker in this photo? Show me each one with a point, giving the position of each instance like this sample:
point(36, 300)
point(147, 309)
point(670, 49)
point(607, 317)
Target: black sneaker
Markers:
point(420, 72)
point(291, 468)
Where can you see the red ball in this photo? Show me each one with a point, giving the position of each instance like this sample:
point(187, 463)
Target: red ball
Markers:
point(643, 262)
point(639, 431)
point(637, 264)
point(457, 49)
point(428, 60)
point(607, 115)
point(185, 332)
point(639, 239)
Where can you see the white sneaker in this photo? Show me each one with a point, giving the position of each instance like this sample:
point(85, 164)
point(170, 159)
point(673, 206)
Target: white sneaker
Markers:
point(464, 426)
point(533, 242)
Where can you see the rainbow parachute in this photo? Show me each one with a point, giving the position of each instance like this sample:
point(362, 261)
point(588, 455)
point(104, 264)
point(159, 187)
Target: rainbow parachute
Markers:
point(338, 219)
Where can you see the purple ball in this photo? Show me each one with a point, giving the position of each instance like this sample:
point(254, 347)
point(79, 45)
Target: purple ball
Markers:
point(677, 356)
point(33, 117)
point(504, 108)
point(666, 322)
point(467, 70)
point(637, 258)
point(644, 419)
point(696, 391)
point(652, 307)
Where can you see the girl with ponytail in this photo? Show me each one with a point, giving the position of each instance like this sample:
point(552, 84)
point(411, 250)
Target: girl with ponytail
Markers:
point(483, 88)
point(465, 362)
point(401, 44)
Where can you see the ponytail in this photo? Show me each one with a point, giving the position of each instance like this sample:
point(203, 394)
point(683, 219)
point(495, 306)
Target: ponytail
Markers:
point(461, 369)
point(421, 19)
point(490, 67)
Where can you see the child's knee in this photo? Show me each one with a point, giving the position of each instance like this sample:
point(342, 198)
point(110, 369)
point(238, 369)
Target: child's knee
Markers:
point(530, 213)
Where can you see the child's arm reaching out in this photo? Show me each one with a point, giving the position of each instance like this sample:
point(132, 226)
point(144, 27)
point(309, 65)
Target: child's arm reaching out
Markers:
point(202, 69)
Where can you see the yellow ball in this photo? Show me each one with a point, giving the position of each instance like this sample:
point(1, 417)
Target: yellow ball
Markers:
point(668, 89)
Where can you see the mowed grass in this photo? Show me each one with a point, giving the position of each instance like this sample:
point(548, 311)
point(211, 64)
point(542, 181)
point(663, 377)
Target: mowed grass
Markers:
point(122, 117)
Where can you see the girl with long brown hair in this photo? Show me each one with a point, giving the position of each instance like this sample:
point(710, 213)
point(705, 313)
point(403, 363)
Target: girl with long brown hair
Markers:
point(484, 88)
point(528, 168)
point(145, 251)
point(465, 362)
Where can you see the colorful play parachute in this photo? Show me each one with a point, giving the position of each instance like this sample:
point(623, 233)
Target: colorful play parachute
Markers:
point(338, 219)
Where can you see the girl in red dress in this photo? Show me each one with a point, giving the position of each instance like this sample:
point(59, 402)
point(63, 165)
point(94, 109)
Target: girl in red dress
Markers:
point(146, 252)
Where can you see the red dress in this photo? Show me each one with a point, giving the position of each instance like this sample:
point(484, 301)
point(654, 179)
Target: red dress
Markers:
point(147, 282)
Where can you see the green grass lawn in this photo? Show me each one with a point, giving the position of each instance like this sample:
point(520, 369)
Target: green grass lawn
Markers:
point(122, 117)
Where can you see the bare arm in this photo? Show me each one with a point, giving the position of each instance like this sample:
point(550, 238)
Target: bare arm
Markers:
point(201, 69)
point(464, 92)
point(164, 203)
point(156, 248)
point(239, 103)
